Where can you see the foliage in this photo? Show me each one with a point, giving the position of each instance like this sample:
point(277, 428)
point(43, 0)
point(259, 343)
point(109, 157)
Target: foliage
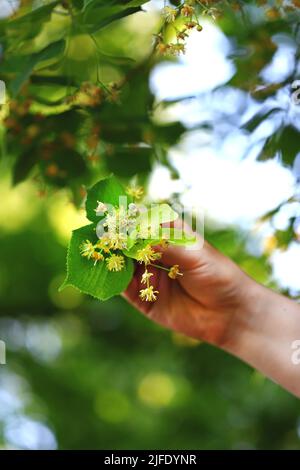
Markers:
point(80, 105)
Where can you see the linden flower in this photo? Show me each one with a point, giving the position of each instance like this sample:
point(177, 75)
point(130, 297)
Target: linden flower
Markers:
point(111, 222)
point(174, 272)
point(97, 257)
point(182, 35)
point(87, 249)
point(135, 191)
point(187, 10)
point(146, 277)
point(191, 25)
point(118, 241)
point(162, 48)
point(115, 263)
point(169, 14)
point(132, 209)
point(101, 208)
point(147, 255)
point(148, 294)
point(104, 244)
point(177, 49)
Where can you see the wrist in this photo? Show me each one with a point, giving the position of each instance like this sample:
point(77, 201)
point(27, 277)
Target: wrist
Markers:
point(250, 316)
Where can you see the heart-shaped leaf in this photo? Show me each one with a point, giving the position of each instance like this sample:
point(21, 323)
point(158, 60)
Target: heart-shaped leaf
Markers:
point(91, 279)
point(108, 191)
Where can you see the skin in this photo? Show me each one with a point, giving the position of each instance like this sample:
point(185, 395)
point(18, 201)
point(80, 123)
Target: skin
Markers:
point(216, 302)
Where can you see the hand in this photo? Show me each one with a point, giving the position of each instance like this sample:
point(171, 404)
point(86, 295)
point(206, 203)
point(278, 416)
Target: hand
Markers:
point(203, 302)
point(217, 302)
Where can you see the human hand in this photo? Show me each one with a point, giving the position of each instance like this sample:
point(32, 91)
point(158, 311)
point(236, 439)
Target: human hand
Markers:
point(203, 302)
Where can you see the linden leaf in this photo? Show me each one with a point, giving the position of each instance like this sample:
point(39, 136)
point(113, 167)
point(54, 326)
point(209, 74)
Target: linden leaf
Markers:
point(156, 215)
point(91, 279)
point(173, 235)
point(108, 190)
point(177, 236)
point(149, 222)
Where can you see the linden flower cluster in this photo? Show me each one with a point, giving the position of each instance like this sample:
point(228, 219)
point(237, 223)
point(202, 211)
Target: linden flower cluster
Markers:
point(170, 15)
point(147, 256)
point(118, 224)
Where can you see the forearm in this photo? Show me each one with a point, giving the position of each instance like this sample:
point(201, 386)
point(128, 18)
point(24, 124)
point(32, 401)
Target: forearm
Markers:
point(263, 335)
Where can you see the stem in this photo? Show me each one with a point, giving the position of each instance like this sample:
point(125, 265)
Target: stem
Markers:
point(163, 268)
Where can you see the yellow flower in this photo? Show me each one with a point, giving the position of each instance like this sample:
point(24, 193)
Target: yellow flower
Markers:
point(182, 35)
point(187, 10)
point(101, 208)
point(148, 294)
point(176, 49)
point(162, 48)
point(135, 191)
point(169, 14)
point(191, 24)
point(104, 244)
point(111, 222)
point(97, 257)
point(87, 249)
point(115, 263)
point(174, 272)
point(147, 255)
point(145, 277)
point(118, 241)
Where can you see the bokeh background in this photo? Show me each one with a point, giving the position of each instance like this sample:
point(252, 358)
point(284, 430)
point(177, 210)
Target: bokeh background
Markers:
point(82, 374)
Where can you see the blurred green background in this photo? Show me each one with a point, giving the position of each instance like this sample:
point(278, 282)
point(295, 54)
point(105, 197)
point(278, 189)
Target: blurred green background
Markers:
point(82, 374)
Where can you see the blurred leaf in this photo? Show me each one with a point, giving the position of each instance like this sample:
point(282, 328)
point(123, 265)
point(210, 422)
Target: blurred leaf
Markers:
point(23, 166)
point(100, 14)
point(289, 144)
point(27, 26)
point(63, 166)
point(129, 161)
point(285, 142)
point(24, 65)
point(258, 118)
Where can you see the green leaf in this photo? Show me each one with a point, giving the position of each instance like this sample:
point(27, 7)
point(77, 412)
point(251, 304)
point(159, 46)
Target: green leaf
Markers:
point(97, 14)
point(289, 144)
point(35, 15)
point(259, 118)
point(156, 215)
point(286, 142)
point(129, 161)
point(173, 235)
point(108, 191)
point(149, 222)
point(91, 279)
point(64, 166)
point(23, 166)
point(27, 26)
point(24, 65)
point(177, 236)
